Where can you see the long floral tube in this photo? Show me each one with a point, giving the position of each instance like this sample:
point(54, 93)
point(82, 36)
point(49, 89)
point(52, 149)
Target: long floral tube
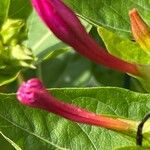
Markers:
point(32, 93)
point(66, 26)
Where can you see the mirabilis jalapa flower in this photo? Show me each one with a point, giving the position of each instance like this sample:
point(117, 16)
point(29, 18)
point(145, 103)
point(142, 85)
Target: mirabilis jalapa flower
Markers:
point(32, 93)
point(66, 26)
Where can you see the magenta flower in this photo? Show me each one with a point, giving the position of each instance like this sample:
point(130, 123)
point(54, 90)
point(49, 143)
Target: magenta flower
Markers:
point(33, 94)
point(66, 26)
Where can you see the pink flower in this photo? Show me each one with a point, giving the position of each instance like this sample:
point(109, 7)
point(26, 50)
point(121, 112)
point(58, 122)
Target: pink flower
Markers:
point(66, 26)
point(32, 93)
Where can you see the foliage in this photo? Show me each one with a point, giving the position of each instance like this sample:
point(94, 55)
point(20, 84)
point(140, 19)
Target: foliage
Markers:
point(72, 78)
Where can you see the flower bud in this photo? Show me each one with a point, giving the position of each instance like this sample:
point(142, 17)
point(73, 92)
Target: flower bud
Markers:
point(32, 93)
point(140, 30)
point(66, 26)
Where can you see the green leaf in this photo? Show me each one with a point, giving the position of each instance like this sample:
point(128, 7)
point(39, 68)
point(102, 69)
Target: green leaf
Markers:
point(11, 142)
point(5, 144)
point(111, 14)
point(64, 71)
point(102, 75)
point(4, 7)
point(36, 129)
point(19, 9)
point(133, 148)
point(13, 9)
point(7, 78)
point(123, 48)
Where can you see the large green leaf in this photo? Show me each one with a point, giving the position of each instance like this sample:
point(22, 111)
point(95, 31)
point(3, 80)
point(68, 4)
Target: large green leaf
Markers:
point(110, 13)
point(123, 48)
point(36, 129)
point(133, 148)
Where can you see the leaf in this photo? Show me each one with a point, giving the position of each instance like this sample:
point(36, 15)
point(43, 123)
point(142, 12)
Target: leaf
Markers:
point(5, 144)
point(134, 148)
point(111, 14)
point(4, 7)
point(7, 78)
point(35, 129)
point(123, 48)
point(11, 142)
point(64, 71)
point(16, 10)
point(19, 9)
point(107, 77)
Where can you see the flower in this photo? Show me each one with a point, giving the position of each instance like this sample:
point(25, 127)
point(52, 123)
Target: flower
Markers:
point(140, 30)
point(32, 93)
point(66, 26)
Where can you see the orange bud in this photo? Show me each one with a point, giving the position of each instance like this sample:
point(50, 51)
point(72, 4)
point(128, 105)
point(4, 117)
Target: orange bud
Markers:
point(140, 30)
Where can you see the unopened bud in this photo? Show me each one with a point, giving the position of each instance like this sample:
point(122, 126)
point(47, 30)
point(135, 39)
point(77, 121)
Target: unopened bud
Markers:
point(140, 30)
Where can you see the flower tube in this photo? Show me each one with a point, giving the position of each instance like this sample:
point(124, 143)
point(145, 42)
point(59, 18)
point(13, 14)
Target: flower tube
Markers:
point(32, 93)
point(66, 26)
